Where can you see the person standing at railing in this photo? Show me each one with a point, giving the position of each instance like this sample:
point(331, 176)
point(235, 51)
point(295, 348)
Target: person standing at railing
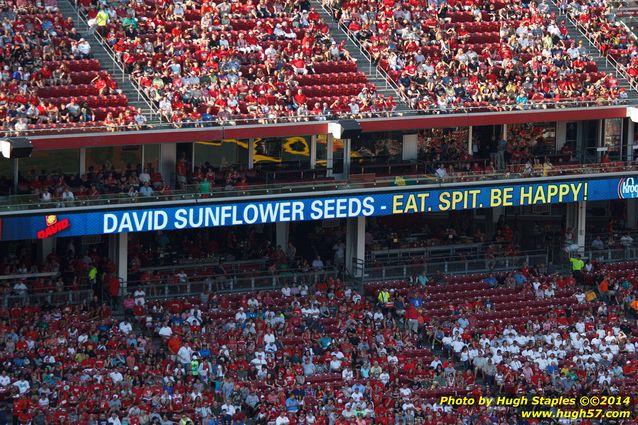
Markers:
point(128, 304)
point(627, 241)
point(577, 268)
point(114, 290)
point(501, 147)
point(101, 21)
point(422, 279)
point(21, 290)
point(92, 275)
point(383, 297)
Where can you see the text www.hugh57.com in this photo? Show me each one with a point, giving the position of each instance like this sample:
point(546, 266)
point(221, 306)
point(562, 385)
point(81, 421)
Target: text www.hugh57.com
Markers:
point(576, 414)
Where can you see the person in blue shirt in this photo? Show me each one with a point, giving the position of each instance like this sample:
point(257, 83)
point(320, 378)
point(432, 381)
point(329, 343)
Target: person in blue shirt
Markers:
point(204, 353)
point(146, 189)
point(292, 404)
point(521, 100)
point(211, 420)
point(519, 278)
point(325, 342)
point(463, 322)
point(416, 301)
point(491, 281)
point(422, 279)
point(361, 387)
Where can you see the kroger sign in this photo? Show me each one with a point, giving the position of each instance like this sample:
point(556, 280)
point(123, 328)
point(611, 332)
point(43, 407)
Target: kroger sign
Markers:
point(627, 188)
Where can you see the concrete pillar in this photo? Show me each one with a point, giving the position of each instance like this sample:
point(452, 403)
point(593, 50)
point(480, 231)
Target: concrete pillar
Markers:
point(576, 220)
point(561, 134)
point(313, 151)
point(251, 153)
point(16, 175)
point(629, 139)
point(118, 253)
point(282, 230)
point(410, 148)
point(45, 247)
point(581, 209)
point(492, 216)
point(329, 154)
point(347, 149)
point(570, 220)
point(601, 141)
point(631, 213)
point(470, 136)
point(580, 152)
point(82, 165)
point(168, 162)
point(355, 245)
point(505, 131)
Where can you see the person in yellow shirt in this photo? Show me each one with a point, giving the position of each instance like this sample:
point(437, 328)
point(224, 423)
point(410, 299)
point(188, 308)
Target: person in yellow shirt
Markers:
point(102, 20)
point(577, 263)
point(577, 268)
point(383, 297)
point(547, 167)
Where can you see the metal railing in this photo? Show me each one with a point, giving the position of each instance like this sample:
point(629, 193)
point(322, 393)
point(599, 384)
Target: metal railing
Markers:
point(54, 298)
point(612, 62)
point(439, 254)
point(190, 287)
point(204, 285)
point(243, 120)
point(109, 51)
point(609, 255)
point(389, 83)
point(369, 273)
point(192, 193)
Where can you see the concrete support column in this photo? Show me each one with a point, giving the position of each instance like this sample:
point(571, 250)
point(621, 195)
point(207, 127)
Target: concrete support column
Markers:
point(168, 162)
point(82, 165)
point(561, 134)
point(601, 141)
point(45, 248)
point(576, 220)
point(282, 230)
point(313, 151)
point(16, 175)
point(410, 148)
point(470, 136)
point(631, 213)
point(629, 139)
point(570, 217)
point(118, 252)
point(505, 131)
point(492, 216)
point(251, 153)
point(581, 209)
point(329, 154)
point(355, 245)
point(347, 149)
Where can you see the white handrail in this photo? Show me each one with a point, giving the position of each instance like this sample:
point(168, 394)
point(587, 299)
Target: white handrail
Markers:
point(366, 54)
point(97, 36)
point(619, 68)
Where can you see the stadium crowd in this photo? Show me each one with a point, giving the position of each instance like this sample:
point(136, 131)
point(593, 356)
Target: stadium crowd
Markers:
point(452, 56)
point(222, 62)
point(323, 354)
point(47, 76)
point(601, 24)
point(202, 62)
point(64, 188)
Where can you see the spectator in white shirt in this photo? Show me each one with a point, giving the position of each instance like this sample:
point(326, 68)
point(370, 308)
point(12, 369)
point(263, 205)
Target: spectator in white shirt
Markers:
point(282, 419)
point(125, 327)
